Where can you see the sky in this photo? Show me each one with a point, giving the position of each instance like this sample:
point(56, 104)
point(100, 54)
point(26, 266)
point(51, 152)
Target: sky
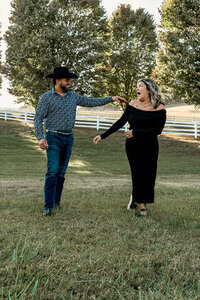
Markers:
point(7, 100)
point(150, 6)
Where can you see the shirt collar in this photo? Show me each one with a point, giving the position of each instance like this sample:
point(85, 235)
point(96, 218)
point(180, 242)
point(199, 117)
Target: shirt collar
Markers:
point(54, 92)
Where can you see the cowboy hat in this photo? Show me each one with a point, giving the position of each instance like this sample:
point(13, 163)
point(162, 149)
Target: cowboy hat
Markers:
point(62, 72)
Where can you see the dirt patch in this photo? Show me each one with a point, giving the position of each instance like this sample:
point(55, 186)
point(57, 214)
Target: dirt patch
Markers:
point(183, 111)
point(179, 184)
point(25, 187)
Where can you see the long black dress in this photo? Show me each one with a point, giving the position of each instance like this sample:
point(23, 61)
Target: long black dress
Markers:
point(142, 149)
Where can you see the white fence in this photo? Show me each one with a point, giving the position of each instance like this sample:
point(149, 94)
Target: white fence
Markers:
point(172, 127)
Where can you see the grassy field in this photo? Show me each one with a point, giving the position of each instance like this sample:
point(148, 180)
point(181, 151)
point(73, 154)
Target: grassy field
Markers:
point(94, 248)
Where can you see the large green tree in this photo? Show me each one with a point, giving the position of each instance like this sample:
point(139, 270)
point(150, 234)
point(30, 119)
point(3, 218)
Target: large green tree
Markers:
point(132, 51)
point(48, 33)
point(178, 60)
point(0, 61)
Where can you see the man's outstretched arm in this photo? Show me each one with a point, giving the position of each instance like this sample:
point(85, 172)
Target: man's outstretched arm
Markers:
point(91, 102)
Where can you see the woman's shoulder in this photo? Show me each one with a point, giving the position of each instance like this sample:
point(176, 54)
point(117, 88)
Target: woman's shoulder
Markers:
point(160, 107)
point(133, 102)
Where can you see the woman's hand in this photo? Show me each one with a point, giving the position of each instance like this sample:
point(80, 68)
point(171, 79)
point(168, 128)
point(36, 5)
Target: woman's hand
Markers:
point(129, 134)
point(96, 139)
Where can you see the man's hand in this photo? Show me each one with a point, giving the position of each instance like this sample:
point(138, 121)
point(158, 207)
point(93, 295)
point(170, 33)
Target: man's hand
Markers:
point(119, 99)
point(129, 134)
point(96, 139)
point(43, 144)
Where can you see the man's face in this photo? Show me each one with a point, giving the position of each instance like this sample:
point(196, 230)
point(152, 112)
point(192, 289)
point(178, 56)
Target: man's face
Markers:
point(64, 84)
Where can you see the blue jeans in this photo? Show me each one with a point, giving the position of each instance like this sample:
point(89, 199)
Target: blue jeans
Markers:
point(58, 155)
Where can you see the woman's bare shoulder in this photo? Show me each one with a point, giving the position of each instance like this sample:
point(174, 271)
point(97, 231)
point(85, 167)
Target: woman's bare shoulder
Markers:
point(160, 107)
point(133, 102)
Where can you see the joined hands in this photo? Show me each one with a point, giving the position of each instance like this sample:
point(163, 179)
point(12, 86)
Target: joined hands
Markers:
point(118, 99)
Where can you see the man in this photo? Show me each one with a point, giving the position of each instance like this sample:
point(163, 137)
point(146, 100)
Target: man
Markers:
point(57, 108)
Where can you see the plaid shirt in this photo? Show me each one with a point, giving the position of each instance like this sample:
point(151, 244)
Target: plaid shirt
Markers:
point(59, 112)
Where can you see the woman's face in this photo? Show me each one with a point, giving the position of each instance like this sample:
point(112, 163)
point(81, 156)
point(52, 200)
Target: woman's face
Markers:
point(142, 92)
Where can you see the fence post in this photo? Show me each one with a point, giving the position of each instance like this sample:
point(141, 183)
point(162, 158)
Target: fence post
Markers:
point(126, 126)
point(98, 122)
point(5, 114)
point(195, 129)
point(25, 116)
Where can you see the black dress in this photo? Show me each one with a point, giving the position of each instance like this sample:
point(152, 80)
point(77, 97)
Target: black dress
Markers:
point(142, 149)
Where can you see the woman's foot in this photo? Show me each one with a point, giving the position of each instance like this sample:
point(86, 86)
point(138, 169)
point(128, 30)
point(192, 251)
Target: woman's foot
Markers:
point(143, 212)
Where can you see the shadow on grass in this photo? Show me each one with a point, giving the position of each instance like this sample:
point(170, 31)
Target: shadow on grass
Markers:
point(22, 157)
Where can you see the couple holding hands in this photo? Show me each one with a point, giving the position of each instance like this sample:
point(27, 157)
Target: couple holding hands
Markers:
point(146, 117)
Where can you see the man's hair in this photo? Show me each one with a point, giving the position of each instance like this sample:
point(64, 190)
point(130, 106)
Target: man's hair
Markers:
point(54, 81)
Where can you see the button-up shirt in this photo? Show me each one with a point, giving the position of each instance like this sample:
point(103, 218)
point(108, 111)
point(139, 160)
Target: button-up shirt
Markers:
point(59, 113)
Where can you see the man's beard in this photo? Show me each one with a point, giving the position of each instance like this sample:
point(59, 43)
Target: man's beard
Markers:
point(63, 87)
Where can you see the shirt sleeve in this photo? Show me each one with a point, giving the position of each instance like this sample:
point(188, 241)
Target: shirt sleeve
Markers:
point(117, 125)
point(40, 115)
point(91, 102)
point(159, 125)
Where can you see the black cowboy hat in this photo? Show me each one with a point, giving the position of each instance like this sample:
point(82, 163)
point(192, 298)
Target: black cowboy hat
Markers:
point(62, 72)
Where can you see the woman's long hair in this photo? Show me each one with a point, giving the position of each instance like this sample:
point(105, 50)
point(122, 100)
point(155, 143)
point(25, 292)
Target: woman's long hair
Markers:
point(154, 93)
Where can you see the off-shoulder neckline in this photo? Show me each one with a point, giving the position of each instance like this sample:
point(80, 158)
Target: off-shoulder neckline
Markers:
point(146, 111)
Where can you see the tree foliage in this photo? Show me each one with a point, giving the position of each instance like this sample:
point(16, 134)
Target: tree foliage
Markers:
point(132, 51)
point(0, 61)
point(48, 33)
point(178, 60)
point(108, 57)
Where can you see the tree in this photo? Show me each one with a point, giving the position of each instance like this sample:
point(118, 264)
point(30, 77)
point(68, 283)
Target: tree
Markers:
point(0, 63)
point(48, 33)
point(132, 51)
point(178, 60)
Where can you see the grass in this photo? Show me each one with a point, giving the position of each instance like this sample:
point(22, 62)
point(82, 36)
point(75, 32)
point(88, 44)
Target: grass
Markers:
point(94, 248)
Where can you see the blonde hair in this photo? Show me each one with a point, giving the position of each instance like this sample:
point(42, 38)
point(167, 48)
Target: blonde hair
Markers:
point(154, 93)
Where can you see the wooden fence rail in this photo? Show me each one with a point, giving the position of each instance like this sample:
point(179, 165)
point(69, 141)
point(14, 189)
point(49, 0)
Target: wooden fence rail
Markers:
point(172, 127)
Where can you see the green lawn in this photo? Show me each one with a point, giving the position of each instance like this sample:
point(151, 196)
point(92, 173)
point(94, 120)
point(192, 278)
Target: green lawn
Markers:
point(94, 248)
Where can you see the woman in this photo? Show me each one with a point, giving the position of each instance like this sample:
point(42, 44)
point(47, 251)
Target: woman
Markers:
point(146, 117)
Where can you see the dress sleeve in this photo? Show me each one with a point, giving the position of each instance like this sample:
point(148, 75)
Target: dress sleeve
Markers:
point(91, 102)
point(159, 125)
point(117, 125)
point(40, 115)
